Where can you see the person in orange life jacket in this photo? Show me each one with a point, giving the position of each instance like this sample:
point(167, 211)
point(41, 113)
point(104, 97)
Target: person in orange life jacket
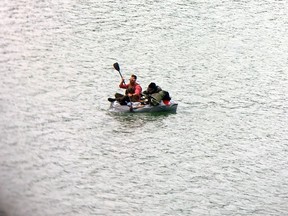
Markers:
point(132, 94)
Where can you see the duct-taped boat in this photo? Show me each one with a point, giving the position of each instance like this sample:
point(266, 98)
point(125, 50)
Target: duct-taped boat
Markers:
point(138, 107)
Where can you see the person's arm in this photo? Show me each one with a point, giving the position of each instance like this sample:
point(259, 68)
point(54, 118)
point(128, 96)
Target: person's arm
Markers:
point(158, 89)
point(122, 85)
point(138, 90)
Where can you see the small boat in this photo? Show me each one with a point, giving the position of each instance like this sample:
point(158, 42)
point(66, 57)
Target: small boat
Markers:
point(137, 107)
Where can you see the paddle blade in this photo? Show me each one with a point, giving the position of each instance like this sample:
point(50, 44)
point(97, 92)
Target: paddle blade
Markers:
point(116, 66)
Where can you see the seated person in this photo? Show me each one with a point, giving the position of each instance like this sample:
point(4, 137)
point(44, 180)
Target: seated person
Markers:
point(132, 93)
point(154, 95)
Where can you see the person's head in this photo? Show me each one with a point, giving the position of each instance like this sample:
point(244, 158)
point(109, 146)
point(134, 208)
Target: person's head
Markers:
point(152, 87)
point(133, 78)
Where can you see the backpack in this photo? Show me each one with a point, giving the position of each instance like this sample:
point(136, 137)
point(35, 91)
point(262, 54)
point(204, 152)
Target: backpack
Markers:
point(166, 96)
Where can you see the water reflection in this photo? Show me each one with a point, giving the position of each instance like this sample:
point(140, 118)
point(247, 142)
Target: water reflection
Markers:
point(139, 119)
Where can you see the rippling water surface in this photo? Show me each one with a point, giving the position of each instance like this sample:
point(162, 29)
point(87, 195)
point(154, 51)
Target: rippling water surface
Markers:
point(223, 153)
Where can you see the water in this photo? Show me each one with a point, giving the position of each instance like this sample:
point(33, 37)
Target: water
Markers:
point(223, 153)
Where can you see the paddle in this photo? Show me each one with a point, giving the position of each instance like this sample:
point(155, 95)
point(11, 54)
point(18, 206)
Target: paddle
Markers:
point(117, 67)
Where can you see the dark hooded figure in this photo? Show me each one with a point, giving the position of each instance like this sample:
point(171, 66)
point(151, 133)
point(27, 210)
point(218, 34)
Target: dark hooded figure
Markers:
point(152, 88)
point(154, 95)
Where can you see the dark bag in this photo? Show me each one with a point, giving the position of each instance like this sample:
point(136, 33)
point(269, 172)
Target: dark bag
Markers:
point(166, 96)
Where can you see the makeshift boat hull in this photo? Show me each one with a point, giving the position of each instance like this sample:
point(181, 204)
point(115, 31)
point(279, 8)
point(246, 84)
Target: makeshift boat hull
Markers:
point(137, 107)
